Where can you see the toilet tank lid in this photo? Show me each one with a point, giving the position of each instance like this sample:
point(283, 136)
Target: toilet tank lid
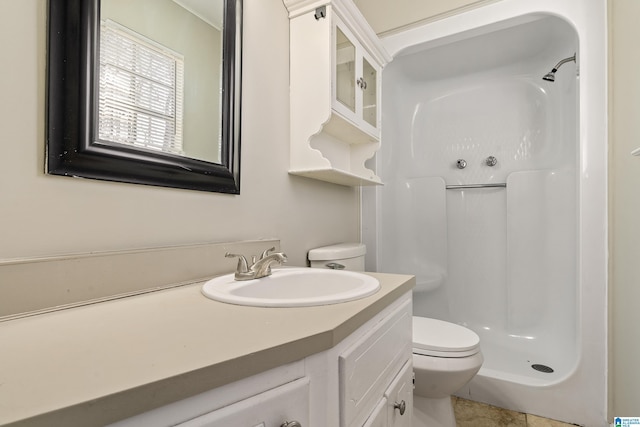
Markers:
point(338, 251)
point(438, 335)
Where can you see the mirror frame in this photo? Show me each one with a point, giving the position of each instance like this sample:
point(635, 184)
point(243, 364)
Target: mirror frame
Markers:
point(72, 99)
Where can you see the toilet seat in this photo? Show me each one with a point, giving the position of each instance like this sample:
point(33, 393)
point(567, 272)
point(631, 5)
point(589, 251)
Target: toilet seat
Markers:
point(433, 337)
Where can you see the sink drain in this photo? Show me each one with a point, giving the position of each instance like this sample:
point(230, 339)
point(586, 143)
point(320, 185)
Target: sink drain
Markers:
point(542, 368)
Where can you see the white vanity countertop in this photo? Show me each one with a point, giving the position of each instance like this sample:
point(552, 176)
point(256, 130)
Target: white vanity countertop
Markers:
point(79, 367)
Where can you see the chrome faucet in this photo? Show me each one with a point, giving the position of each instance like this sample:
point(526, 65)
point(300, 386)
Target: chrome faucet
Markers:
point(259, 268)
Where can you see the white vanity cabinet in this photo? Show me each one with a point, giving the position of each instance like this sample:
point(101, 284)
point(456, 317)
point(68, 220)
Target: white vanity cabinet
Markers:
point(268, 399)
point(399, 398)
point(335, 72)
point(395, 409)
point(273, 408)
point(361, 381)
point(378, 417)
point(376, 376)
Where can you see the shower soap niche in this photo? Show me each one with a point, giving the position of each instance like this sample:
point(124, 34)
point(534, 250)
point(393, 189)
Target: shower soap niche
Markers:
point(336, 61)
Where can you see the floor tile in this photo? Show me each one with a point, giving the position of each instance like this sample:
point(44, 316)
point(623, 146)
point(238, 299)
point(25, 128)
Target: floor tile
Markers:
point(535, 421)
point(474, 414)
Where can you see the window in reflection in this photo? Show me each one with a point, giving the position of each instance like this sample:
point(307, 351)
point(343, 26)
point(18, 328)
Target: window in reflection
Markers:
point(141, 91)
point(194, 30)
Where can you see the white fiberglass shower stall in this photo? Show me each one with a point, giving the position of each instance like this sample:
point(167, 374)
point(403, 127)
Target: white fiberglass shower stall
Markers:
point(495, 195)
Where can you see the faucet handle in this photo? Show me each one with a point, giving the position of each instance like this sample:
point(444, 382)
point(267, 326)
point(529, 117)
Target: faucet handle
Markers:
point(242, 267)
point(266, 253)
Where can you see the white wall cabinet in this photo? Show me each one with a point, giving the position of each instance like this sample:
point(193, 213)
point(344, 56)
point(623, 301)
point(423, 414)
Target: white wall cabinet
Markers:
point(355, 82)
point(335, 73)
point(356, 383)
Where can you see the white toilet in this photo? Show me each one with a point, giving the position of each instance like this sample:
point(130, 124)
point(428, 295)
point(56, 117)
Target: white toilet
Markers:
point(342, 256)
point(446, 356)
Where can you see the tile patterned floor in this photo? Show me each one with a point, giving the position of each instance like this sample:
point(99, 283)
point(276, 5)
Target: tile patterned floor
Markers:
point(474, 414)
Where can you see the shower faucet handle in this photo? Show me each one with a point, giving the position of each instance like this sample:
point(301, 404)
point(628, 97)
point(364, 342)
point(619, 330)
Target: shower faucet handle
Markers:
point(491, 161)
point(461, 163)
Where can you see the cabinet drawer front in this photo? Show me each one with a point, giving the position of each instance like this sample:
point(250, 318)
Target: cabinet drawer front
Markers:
point(289, 402)
point(368, 367)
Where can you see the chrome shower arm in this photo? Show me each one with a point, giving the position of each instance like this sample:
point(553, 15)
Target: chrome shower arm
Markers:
point(551, 75)
point(565, 60)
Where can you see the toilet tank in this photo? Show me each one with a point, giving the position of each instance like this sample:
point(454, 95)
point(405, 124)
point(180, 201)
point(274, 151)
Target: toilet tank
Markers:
point(343, 256)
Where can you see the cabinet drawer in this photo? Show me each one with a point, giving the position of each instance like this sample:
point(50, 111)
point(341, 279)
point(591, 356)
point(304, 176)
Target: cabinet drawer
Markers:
point(368, 367)
point(289, 402)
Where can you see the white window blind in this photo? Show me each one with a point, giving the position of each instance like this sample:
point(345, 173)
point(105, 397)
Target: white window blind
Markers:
point(141, 91)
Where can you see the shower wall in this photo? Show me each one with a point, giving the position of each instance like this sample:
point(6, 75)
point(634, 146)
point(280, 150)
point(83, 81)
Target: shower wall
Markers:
point(503, 260)
point(500, 260)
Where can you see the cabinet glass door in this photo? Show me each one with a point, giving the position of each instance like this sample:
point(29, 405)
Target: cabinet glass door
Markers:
point(345, 71)
point(369, 95)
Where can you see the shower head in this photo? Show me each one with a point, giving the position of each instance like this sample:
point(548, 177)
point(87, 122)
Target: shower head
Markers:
point(551, 75)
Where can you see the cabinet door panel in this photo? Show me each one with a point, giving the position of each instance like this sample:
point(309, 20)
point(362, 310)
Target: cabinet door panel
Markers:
point(369, 93)
point(400, 393)
point(369, 366)
point(378, 417)
point(345, 70)
point(289, 402)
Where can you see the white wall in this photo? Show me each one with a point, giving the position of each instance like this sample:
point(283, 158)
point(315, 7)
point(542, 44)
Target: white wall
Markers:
point(624, 178)
point(624, 206)
point(46, 215)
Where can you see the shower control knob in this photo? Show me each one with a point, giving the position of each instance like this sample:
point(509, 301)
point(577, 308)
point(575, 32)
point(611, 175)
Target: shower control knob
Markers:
point(461, 163)
point(491, 161)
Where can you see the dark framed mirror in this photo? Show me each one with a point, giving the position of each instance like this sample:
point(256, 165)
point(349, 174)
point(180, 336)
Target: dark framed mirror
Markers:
point(124, 105)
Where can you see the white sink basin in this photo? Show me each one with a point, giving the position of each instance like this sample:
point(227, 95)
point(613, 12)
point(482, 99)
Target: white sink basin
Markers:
point(293, 287)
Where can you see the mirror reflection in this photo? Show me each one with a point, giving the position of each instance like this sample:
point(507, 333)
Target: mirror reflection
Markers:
point(160, 76)
point(145, 92)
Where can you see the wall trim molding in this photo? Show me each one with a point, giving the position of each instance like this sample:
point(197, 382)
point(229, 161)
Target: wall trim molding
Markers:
point(39, 285)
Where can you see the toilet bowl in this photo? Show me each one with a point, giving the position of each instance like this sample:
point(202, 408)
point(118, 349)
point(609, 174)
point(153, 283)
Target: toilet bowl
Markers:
point(446, 356)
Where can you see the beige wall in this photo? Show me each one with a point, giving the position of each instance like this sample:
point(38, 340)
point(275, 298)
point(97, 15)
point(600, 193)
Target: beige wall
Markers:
point(624, 208)
point(45, 215)
point(386, 16)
